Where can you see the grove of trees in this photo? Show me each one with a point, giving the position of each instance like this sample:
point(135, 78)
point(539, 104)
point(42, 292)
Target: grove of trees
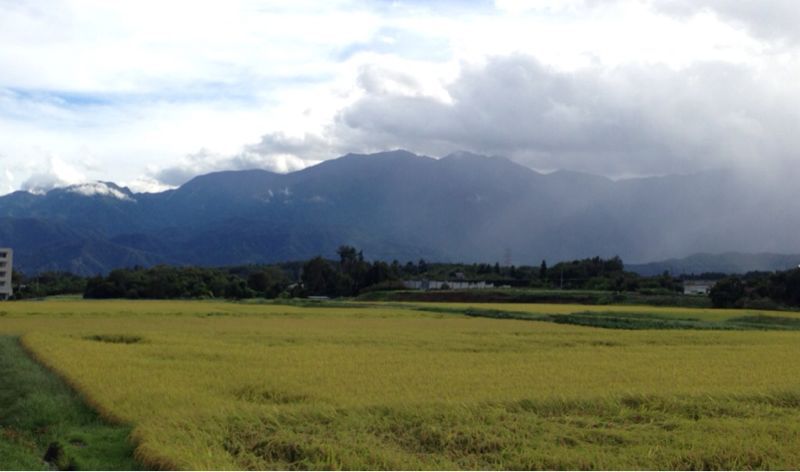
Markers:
point(351, 274)
point(758, 290)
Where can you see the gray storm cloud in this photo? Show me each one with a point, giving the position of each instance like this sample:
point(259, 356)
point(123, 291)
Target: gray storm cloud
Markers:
point(629, 120)
point(639, 119)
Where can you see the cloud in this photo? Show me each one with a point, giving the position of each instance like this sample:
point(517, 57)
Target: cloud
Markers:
point(149, 47)
point(280, 163)
point(55, 173)
point(767, 19)
point(276, 152)
point(380, 81)
point(308, 146)
point(200, 162)
point(636, 119)
point(611, 86)
point(138, 85)
point(520, 6)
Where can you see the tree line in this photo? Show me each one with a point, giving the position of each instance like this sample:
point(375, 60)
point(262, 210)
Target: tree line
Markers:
point(765, 290)
point(350, 274)
point(46, 284)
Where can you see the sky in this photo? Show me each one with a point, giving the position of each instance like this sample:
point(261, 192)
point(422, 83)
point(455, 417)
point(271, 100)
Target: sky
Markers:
point(149, 94)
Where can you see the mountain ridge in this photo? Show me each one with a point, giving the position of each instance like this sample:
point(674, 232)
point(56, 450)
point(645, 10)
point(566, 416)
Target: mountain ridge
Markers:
point(394, 205)
point(726, 263)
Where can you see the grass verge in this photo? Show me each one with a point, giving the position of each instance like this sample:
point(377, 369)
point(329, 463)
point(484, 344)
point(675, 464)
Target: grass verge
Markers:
point(44, 425)
point(533, 295)
point(619, 320)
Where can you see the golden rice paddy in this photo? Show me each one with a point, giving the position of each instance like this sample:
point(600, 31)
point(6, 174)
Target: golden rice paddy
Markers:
point(217, 385)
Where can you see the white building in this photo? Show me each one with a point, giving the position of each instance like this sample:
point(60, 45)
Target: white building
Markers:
point(697, 287)
point(6, 260)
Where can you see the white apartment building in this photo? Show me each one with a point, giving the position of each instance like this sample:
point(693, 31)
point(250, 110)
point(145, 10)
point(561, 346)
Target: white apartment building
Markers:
point(6, 260)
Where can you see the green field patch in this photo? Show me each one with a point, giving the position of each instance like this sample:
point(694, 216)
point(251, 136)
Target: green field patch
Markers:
point(605, 343)
point(633, 320)
point(608, 320)
point(308, 303)
point(766, 322)
point(44, 425)
point(588, 297)
point(114, 338)
point(498, 314)
point(612, 320)
point(262, 395)
point(537, 295)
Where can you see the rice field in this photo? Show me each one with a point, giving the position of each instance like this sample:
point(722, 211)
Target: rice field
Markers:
point(216, 385)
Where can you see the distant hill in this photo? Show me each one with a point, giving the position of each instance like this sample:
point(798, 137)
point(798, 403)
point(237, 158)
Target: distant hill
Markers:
point(395, 205)
point(728, 263)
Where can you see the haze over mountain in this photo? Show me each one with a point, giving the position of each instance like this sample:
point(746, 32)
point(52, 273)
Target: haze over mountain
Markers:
point(393, 205)
point(725, 263)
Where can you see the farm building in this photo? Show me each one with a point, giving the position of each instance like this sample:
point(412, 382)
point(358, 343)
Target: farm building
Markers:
point(697, 287)
point(6, 260)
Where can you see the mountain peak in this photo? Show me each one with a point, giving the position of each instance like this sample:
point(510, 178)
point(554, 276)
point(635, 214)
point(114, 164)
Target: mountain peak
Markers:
point(393, 155)
point(487, 165)
point(471, 157)
point(100, 189)
point(466, 155)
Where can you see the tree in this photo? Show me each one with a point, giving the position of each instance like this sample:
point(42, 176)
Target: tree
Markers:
point(727, 293)
point(379, 272)
point(543, 270)
point(319, 277)
point(354, 270)
point(613, 265)
point(348, 256)
point(237, 289)
point(269, 282)
point(395, 269)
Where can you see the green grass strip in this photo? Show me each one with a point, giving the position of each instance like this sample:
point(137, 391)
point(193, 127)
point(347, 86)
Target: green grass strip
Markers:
point(634, 321)
point(44, 425)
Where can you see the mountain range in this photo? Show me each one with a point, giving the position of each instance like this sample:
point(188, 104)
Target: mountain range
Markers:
point(395, 205)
